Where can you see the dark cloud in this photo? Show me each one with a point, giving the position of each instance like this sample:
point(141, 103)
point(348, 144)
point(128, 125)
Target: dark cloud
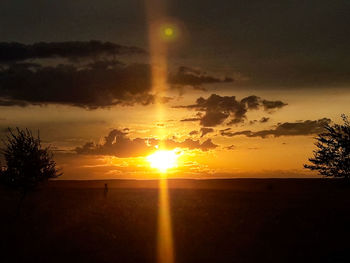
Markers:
point(217, 109)
point(252, 122)
point(191, 119)
point(264, 119)
point(193, 133)
point(301, 128)
point(190, 144)
point(205, 131)
point(231, 134)
point(92, 86)
point(272, 105)
point(186, 76)
point(213, 118)
point(102, 83)
point(118, 144)
point(197, 117)
point(231, 147)
point(14, 52)
point(251, 102)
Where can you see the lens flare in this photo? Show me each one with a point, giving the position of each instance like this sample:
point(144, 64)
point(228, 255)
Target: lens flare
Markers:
point(161, 160)
point(169, 31)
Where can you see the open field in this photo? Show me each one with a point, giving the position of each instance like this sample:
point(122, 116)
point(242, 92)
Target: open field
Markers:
point(241, 220)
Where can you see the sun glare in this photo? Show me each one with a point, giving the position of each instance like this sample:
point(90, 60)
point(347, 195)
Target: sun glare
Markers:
point(163, 160)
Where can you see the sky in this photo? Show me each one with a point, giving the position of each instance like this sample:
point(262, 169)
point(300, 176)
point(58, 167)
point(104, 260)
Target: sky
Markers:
point(236, 88)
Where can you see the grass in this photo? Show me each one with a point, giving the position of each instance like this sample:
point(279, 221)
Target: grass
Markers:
point(241, 220)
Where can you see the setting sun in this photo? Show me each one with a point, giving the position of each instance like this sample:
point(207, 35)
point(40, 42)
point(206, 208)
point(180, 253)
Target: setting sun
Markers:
point(163, 160)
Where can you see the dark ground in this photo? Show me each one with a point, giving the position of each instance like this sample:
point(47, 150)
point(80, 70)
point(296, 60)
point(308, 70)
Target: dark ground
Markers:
point(242, 220)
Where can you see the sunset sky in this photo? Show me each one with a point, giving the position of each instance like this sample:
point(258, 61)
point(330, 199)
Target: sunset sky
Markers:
point(237, 88)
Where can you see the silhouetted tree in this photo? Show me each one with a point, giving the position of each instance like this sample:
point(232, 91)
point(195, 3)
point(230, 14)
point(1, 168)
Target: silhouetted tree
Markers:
point(27, 162)
point(332, 158)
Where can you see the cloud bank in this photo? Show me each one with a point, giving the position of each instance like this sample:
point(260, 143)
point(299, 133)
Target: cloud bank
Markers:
point(301, 128)
point(103, 81)
point(186, 76)
point(117, 143)
point(93, 86)
point(216, 109)
point(16, 52)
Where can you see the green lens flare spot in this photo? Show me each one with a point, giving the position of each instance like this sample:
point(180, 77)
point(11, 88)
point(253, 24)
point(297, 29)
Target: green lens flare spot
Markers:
point(169, 31)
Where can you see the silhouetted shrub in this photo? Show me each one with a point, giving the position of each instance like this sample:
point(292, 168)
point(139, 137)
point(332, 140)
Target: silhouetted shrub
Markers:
point(332, 158)
point(27, 162)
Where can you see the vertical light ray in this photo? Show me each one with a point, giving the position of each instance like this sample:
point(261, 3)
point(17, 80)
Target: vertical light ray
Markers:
point(158, 60)
point(158, 50)
point(165, 239)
